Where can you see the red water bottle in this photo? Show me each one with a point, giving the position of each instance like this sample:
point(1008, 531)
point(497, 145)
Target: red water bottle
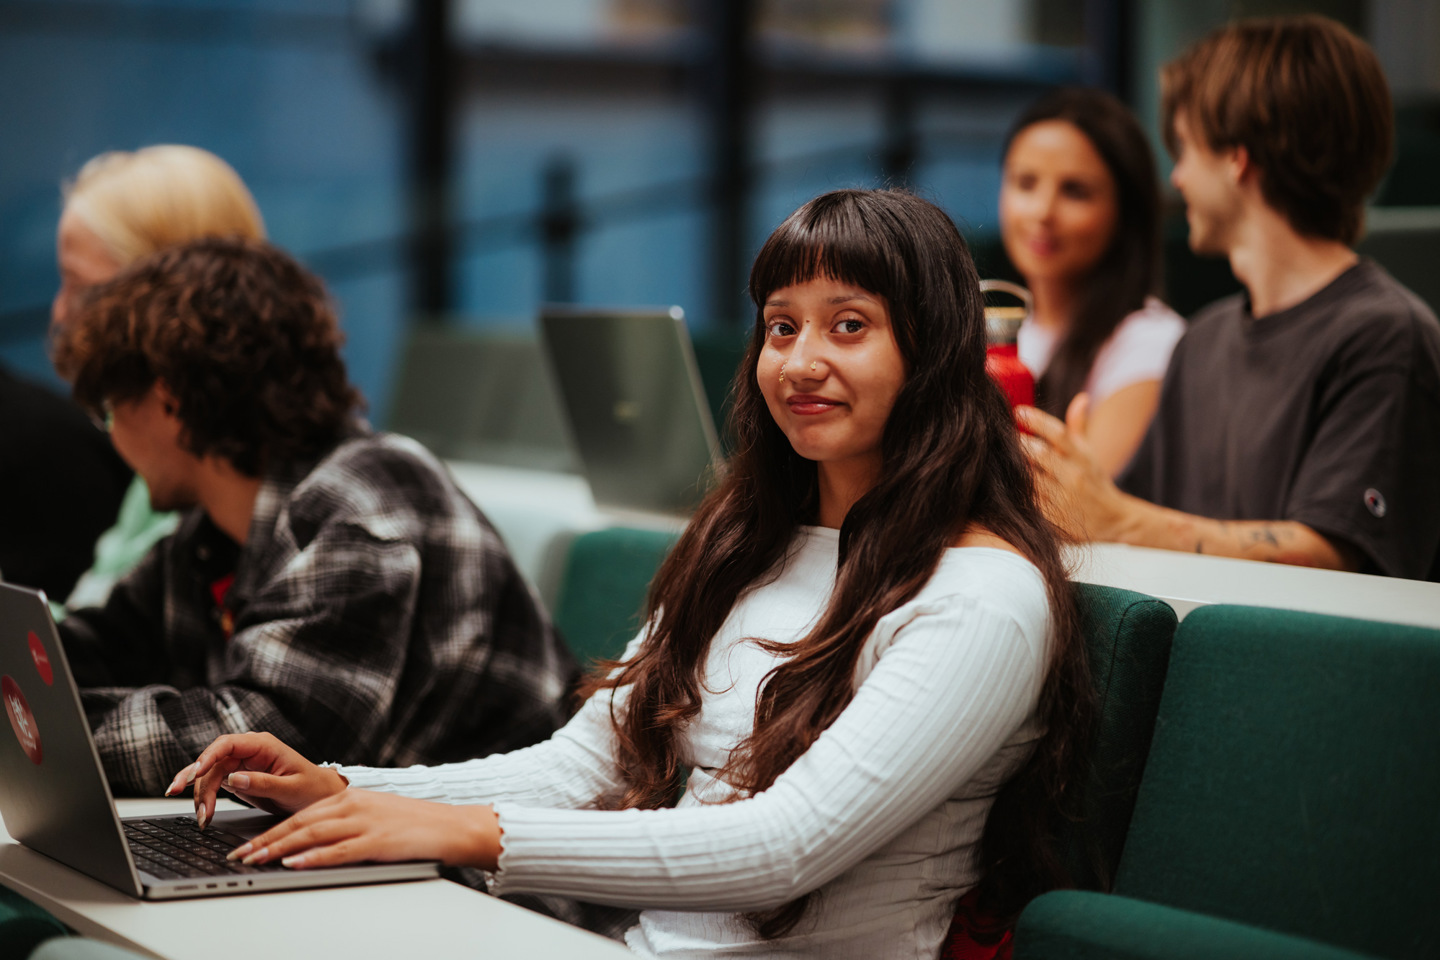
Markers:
point(1002, 356)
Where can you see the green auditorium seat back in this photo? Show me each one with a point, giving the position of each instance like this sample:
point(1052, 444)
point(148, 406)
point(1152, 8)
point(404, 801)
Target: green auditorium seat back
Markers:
point(1127, 642)
point(1080, 925)
point(1127, 637)
point(81, 948)
point(1293, 782)
point(23, 925)
point(602, 590)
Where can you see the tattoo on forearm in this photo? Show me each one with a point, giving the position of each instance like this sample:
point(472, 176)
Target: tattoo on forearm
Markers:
point(1276, 541)
point(1264, 534)
point(1228, 537)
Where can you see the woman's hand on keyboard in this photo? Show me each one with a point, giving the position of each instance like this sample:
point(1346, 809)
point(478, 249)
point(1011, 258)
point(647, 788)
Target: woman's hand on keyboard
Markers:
point(361, 825)
point(259, 769)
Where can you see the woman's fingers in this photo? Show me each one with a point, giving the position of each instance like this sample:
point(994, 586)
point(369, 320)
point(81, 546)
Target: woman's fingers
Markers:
point(287, 792)
point(207, 787)
point(278, 837)
point(231, 744)
point(287, 781)
point(237, 745)
point(350, 850)
point(321, 833)
point(183, 779)
point(360, 825)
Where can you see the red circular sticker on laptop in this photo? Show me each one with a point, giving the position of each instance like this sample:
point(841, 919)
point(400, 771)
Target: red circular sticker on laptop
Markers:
point(42, 660)
point(22, 721)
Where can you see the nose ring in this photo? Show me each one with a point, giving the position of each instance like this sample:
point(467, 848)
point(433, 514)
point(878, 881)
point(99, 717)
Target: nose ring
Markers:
point(782, 373)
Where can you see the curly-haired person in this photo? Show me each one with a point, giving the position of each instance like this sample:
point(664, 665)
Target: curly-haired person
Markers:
point(327, 584)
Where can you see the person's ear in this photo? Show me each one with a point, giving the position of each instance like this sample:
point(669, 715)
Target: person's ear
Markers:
point(1242, 169)
point(168, 403)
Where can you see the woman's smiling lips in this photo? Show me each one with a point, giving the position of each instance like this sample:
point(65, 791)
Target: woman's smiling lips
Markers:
point(1042, 246)
point(808, 404)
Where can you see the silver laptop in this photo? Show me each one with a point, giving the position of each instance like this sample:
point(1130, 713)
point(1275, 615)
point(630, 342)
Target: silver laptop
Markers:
point(632, 395)
point(56, 800)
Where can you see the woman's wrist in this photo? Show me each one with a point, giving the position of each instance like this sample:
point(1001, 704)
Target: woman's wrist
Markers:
point(477, 837)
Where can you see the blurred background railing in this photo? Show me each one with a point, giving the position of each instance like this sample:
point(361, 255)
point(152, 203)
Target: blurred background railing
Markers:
point(454, 163)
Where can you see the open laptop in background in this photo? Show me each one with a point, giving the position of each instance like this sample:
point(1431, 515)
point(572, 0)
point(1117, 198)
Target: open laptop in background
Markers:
point(632, 394)
point(55, 798)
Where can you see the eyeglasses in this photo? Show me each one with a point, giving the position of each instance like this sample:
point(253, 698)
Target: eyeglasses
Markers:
point(105, 420)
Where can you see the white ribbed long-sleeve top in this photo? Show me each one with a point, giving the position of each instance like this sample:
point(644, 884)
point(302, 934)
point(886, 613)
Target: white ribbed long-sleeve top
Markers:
point(882, 815)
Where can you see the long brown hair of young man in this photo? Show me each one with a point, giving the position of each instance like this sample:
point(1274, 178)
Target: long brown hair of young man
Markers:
point(951, 460)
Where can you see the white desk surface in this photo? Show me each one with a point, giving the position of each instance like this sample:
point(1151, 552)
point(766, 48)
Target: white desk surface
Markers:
point(1188, 580)
point(537, 511)
point(531, 508)
point(434, 919)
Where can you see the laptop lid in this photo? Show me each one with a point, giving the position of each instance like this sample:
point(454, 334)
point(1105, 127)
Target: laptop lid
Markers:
point(53, 793)
point(637, 412)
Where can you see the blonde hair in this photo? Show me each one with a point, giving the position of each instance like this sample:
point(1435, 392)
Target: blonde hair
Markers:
point(142, 202)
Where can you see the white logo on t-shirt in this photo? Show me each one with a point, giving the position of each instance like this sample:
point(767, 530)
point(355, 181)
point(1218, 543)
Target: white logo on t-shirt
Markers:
point(1375, 502)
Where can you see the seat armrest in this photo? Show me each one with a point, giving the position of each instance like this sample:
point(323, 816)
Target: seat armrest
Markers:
point(1078, 925)
point(23, 925)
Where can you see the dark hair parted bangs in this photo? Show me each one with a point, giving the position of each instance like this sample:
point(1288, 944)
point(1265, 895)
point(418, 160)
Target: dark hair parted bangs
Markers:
point(244, 337)
point(951, 460)
point(887, 242)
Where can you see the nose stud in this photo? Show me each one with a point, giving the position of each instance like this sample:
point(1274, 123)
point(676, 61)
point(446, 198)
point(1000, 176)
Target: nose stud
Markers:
point(782, 373)
point(812, 366)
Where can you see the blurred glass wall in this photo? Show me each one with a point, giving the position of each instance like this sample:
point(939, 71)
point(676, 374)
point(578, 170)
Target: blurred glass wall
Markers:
point(593, 113)
point(286, 90)
point(593, 151)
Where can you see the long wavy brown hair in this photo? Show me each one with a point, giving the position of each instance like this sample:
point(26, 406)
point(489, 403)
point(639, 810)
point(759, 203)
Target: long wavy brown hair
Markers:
point(1129, 269)
point(951, 461)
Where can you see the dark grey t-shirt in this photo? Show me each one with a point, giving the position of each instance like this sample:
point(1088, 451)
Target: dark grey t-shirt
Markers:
point(1327, 413)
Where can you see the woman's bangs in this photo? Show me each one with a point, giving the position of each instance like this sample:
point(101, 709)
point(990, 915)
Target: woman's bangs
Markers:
point(831, 241)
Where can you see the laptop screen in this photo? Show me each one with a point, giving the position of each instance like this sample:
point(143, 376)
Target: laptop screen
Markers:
point(637, 412)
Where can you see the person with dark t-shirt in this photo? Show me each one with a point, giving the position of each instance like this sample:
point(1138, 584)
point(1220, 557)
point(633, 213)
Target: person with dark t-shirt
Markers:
point(1299, 422)
point(60, 487)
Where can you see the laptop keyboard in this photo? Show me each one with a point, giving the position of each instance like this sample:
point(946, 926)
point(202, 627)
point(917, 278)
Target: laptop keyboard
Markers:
point(172, 848)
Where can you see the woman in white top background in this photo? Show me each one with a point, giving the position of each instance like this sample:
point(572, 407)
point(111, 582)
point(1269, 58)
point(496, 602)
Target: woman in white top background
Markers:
point(1080, 221)
point(862, 637)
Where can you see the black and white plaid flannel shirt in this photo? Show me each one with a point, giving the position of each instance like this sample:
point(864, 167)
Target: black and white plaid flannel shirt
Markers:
point(375, 617)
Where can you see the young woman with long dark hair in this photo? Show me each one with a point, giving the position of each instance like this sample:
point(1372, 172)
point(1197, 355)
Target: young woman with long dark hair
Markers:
point(1080, 220)
point(864, 635)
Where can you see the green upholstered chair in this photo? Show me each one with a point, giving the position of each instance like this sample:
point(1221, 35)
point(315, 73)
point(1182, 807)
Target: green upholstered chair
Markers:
point(718, 352)
point(81, 948)
point(1293, 784)
point(1127, 640)
point(1080, 925)
point(602, 589)
point(23, 926)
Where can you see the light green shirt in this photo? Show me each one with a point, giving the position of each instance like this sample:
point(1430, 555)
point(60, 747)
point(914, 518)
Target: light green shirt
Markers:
point(136, 530)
